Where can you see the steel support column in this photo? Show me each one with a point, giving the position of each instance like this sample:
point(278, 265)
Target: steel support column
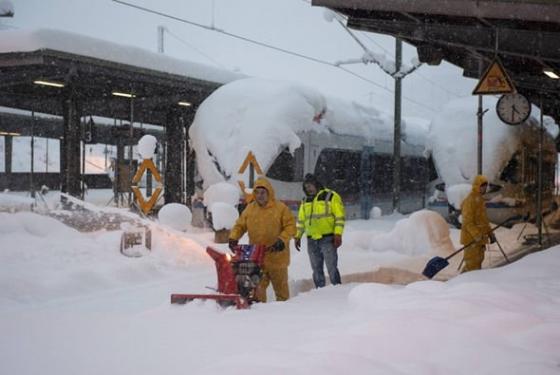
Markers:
point(70, 145)
point(189, 157)
point(8, 146)
point(397, 129)
point(175, 156)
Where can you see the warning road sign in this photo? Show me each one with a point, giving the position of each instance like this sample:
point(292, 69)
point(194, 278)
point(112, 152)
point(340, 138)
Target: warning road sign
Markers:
point(494, 81)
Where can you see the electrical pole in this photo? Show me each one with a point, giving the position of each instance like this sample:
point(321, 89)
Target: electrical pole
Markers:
point(479, 116)
point(397, 131)
point(160, 32)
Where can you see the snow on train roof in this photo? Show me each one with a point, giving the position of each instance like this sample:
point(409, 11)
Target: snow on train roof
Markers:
point(452, 139)
point(264, 116)
point(56, 40)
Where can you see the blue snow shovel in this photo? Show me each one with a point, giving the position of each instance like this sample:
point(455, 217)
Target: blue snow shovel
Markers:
point(436, 264)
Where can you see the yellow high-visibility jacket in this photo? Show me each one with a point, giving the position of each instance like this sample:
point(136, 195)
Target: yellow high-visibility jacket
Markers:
point(321, 216)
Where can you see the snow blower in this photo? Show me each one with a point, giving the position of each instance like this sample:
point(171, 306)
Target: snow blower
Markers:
point(238, 277)
point(436, 264)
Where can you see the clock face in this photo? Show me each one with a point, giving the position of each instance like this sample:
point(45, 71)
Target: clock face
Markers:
point(513, 109)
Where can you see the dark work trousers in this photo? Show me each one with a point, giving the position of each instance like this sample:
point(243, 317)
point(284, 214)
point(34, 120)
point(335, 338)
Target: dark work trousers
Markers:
point(322, 252)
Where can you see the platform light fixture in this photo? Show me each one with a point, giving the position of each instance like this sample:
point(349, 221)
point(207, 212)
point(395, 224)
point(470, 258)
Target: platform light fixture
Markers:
point(551, 73)
point(48, 83)
point(123, 94)
point(10, 134)
point(185, 104)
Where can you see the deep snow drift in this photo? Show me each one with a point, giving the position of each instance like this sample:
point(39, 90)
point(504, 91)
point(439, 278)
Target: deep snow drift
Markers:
point(70, 303)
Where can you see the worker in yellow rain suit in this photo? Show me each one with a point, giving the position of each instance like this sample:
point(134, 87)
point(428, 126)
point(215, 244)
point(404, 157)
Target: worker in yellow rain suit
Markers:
point(268, 222)
point(475, 229)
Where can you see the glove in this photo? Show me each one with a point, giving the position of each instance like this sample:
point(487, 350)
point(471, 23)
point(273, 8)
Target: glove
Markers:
point(232, 244)
point(492, 237)
point(337, 241)
point(298, 244)
point(278, 246)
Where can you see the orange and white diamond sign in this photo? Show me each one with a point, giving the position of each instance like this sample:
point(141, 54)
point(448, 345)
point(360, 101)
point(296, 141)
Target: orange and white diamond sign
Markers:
point(146, 206)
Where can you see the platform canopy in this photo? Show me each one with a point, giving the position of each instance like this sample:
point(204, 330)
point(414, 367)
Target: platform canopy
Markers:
point(524, 34)
point(38, 68)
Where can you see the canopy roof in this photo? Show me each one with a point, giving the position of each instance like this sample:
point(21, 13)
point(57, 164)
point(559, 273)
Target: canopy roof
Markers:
point(524, 34)
point(92, 70)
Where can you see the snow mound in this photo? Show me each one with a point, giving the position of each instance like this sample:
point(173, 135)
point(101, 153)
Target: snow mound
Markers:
point(176, 216)
point(10, 202)
point(423, 232)
point(223, 215)
point(28, 223)
point(375, 213)
point(147, 146)
point(221, 192)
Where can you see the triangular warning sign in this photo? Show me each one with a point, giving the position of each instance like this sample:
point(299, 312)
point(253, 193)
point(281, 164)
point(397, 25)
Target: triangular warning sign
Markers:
point(494, 81)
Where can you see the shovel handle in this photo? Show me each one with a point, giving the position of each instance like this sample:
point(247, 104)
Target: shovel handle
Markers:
point(474, 241)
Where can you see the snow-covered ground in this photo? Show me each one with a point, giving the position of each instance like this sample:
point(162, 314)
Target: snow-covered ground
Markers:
point(70, 303)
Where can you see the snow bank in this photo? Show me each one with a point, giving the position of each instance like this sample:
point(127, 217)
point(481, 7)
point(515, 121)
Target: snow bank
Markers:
point(65, 295)
point(11, 202)
point(265, 116)
point(45, 260)
point(422, 233)
point(56, 40)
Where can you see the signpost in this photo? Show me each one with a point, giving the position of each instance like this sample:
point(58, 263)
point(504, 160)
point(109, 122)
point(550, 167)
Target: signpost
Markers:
point(251, 162)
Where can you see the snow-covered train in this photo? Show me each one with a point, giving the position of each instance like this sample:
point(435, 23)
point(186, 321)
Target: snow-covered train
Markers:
point(360, 170)
point(293, 130)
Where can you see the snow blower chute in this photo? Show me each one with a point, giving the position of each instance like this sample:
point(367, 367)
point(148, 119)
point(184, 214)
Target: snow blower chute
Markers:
point(238, 277)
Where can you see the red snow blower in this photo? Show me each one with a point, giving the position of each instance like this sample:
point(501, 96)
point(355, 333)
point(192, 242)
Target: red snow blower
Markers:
point(238, 277)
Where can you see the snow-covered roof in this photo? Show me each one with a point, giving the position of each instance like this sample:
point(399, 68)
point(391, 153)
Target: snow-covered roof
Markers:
point(452, 139)
point(265, 116)
point(56, 40)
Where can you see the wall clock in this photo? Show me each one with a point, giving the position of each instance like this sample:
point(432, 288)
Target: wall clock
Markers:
point(513, 109)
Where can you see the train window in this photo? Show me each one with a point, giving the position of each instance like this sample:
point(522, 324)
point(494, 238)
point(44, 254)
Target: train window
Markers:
point(339, 170)
point(287, 167)
point(414, 171)
point(383, 174)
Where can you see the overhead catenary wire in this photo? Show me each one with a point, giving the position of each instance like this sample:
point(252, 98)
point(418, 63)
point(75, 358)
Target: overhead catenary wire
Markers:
point(265, 45)
point(432, 82)
point(180, 40)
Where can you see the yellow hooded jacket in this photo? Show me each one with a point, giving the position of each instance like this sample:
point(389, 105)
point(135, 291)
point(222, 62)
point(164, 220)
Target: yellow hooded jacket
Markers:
point(475, 221)
point(265, 225)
